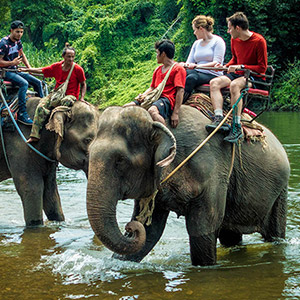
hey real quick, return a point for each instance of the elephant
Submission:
(35, 177)
(219, 197)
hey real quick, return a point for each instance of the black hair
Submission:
(16, 24)
(67, 47)
(166, 46)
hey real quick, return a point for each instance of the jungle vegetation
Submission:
(114, 39)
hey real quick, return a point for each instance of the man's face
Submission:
(69, 56)
(16, 34)
(159, 56)
(233, 31)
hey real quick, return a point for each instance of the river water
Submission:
(65, 260)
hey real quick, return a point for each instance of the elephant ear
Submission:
(166, 145)
(56, 122)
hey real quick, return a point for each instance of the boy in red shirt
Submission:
(171, 98)
(249, 51)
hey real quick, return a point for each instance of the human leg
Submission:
(216, 84)
(160, 110)
(41, 113)
(194, 79)
(36, 83)
(236, 132)
(23, 86)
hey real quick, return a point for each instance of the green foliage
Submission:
(36, 14)
(286, 91)
(4, 17)
(114, 39)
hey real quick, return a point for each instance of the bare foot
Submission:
(32, 139)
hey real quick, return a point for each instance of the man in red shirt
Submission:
(60, 72)
(249, 51)
(167, 106)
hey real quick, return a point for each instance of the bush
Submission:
(286, 91)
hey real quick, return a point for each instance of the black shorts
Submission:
(233, 76)
(164, 107)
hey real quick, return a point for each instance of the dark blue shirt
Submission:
(9, 49)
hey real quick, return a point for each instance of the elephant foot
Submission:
(203, 250)
(229, 238)
(34, 223)
(275, 225)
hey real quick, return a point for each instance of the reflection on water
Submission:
(65, 260)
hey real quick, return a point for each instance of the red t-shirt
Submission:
(77, 77)
(251, 53)
(176, 79)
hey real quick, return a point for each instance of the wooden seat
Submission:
(262, 96)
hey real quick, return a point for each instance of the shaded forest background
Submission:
(114, 39)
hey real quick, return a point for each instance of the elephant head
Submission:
(128, 154)
(76, 127)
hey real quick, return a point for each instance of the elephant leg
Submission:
(203, 249)
(51, 200)
(203, 220)
(229, 238)
(153, 232)
(275, 224)
(31, 193)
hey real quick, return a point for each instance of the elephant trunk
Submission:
(101, 208)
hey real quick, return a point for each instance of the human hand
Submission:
(140, 98)
(174, 119)
(232, 69)
(17, 60)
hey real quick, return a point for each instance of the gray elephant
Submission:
(131, 156)
(35, 177)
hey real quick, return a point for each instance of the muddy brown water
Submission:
(65, 261)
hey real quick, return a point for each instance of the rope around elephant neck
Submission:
(147, 204)
(146, 211)
(198, 148)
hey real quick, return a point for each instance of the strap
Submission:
(163, 83)
(69, 75)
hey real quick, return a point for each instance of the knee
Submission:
(23, 84)
(214, 84)
(153, 110)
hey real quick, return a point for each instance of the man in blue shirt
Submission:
(11, 55)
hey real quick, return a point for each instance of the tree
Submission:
(36, 14)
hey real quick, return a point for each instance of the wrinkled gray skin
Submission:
(123, 160)
(33, 176)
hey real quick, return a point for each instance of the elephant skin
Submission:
(217, 202)
(35, 177)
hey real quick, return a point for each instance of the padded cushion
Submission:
(205, 88)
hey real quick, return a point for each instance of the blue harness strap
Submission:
(20, 132)
(234, 107)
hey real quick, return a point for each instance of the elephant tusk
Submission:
(166, 161)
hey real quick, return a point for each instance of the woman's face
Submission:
(198, 32)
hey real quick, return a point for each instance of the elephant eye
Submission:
(121, 163)
(87, 141)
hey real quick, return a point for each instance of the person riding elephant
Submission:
(72, 130)
(132, 154)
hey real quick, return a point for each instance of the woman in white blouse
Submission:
(207, 51)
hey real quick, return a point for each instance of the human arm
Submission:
(24, 58)
(6, 63)
(262, 58)
(141, 97)
(32, 70)
(178, 102)
(83, 90)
